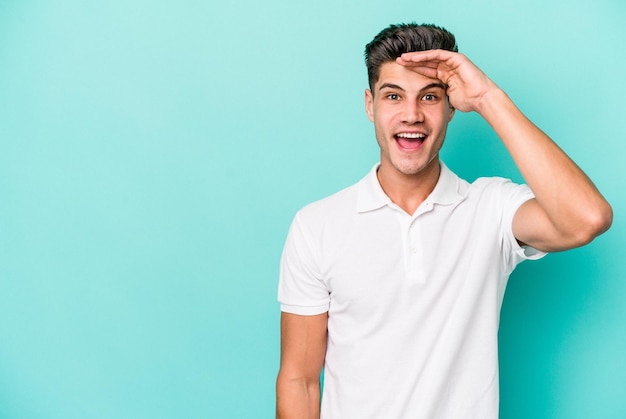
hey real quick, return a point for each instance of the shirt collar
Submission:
(448, 190)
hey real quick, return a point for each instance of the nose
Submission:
(412, 113)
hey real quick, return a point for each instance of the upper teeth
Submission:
(411, 135)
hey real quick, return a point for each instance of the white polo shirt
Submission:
(413, 301)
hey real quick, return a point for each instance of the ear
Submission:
(451, 109)
(369, 104)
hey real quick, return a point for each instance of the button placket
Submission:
(414, 241)
(414, 253)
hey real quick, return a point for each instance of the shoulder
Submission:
(339, 203)
(320, 221)
(491, 182)
(484, 190)
(499, 188)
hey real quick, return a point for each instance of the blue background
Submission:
(152, 155)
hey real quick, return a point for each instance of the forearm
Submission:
(564, 192)
(303, 348)
(297, 398)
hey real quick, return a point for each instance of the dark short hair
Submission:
(395, 40)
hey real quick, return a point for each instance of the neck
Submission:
(409, 191)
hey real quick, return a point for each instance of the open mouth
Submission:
(410, 140)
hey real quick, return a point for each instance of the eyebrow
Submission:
(389, 86)
(427, 87)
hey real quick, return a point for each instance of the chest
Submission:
(386, 261)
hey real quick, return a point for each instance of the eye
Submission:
(393, 96)
(429, 97)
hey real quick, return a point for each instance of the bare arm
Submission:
(303, 348)
(568, 211)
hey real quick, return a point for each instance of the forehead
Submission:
(399, 75)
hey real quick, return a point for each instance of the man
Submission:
(394, 285)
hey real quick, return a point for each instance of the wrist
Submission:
(493, 100)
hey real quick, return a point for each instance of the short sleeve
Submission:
(301, 289)
(516, 195)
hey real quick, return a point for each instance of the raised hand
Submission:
(568, 211)
(468, 86)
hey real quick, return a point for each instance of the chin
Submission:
(414, 169)
(409, 171)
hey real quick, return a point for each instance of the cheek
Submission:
(383, 117)
(382, 128)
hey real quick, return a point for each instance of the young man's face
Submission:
(410, 113)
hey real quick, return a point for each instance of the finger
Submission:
(429, 72)
(411, 63)
(428, 69)
(435, 55)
